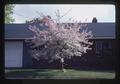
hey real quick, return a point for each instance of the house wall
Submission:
(102, 56)
(13, 53)
(27, 59)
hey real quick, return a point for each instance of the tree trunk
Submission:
(62, 63)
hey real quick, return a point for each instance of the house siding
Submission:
(27, 59)
(13, 53)
(92, 60)
(105, 59)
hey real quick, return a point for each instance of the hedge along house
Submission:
(102, 54)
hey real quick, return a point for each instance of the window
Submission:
(103, 48)
(107, 45)
(98, 46)
(107, 48)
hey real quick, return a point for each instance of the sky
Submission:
(78, 12)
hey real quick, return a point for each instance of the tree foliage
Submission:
(59, 40)
(8, 13)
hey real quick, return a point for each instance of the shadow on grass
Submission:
(38, 73)
(86, 68)
(57, 74)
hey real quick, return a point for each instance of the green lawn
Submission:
(58, 74)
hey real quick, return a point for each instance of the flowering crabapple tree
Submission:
(59, 40)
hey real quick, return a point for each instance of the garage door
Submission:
(13, 54)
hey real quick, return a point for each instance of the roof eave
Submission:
(32, 38)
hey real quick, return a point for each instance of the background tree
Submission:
(58, 40)
(8, 12)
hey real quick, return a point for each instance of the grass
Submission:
(58, 74)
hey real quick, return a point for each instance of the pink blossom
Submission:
(60, 40)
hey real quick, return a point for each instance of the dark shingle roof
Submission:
(18, 31)
(102, 30)
(21, 31)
